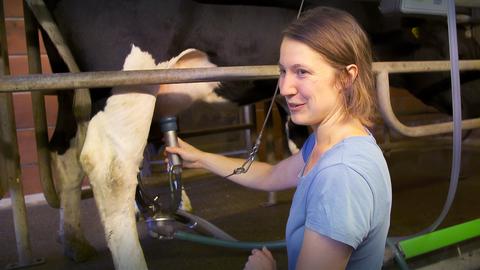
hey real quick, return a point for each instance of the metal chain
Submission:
(253, 152)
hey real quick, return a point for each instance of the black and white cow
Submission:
(148, 34)
(117, 133)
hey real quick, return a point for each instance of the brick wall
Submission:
(22, 101)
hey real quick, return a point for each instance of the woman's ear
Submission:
(346, 77)
(352, 72)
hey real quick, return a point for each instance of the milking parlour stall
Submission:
(93, 91)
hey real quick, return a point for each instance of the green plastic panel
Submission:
(438, 239)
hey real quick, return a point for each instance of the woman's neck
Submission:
(336, 129)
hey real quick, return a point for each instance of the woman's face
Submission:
(307, 82)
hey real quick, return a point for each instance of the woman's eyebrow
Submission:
(292, 66)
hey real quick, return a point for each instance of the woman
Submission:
(340, 212)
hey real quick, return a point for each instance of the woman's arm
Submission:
(321, 252)
(261, 175)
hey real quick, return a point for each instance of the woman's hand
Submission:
(190, 155)
(261, 260)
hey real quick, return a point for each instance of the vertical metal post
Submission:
(3, 172)
(278, 128)
(259, 119)
(3, 63)
(475, 27)
(278, 146)
(3, 175)
(12, 158)
(11, 161)
(38, 110)
(246, 118)
(261, 112)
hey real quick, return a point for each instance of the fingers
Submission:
(190, 155)
(173, 150)
(178, 149)
(180, 141)
(181, 148)
(260, 259)
(267, 253)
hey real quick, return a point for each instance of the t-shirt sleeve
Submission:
(340, 205)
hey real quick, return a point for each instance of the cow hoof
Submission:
(80, 251)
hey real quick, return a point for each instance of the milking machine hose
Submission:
(398, 256)
(457, 138)
(457, 123)
(200, 239)
(218, 236)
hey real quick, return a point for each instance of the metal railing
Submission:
(383, 69)
(64, 81)
(10, 174)
(59, 81)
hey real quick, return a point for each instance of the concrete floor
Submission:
(235, 209)
(419, 180)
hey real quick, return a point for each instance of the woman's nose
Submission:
(286, 85)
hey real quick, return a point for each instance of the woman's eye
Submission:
(282, 71)
(301, 72)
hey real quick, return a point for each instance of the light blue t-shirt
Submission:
(347, 197)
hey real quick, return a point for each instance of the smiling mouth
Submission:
(294, 107)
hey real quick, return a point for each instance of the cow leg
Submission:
(70, 175)
(65, 146)
(111, 157)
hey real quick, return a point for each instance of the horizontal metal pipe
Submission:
(36, 82)
(385, 108)
(99, 79)
(422, 66)
(467, 3)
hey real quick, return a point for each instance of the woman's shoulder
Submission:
(348, 148)
(358, 154)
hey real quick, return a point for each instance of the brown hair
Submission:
(338, 37)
